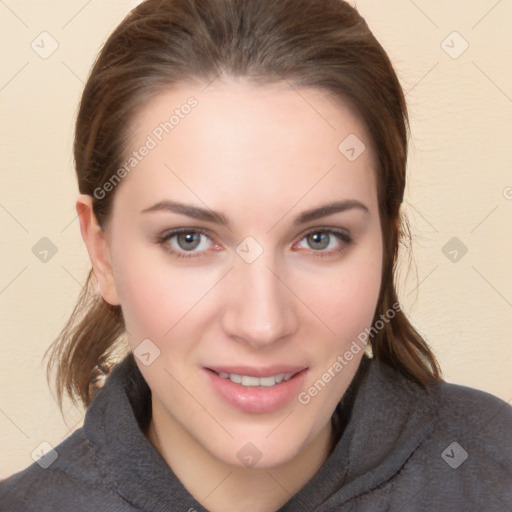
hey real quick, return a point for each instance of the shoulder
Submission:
(479, 422)
(28, 490)
(66, 477)
(470, 412)
(459, 445)
(468, 453)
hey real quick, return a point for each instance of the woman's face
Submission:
(263, 278)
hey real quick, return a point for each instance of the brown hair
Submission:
(324, 44)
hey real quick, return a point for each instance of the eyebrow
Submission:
(208, 215)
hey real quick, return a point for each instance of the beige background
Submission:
(460, 185)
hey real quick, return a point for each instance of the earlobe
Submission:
(97, 247)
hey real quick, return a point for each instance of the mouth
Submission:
(253, 381)
(257, 390)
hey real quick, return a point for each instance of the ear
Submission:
(97, 246)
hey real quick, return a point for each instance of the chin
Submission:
(264, 447)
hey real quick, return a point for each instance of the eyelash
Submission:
(342, 236)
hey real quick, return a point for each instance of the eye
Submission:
(185, 242)
(191, 243)
(325, 241)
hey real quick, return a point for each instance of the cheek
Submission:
(348, 300)
(145, 292)
(154, 294)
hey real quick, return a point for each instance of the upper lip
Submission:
(261, 371)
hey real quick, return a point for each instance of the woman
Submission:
(241, 166)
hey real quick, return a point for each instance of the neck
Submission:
(219, 486)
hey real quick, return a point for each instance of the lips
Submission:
(258, 390)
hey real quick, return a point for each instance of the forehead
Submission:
(236, 143)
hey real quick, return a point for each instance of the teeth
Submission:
(251, 381)
(248, 381)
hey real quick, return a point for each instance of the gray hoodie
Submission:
(401, 449)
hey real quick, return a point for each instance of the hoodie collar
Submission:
(115, 423)
(390, 417)
(385, 418)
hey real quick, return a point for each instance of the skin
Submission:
(261, 155)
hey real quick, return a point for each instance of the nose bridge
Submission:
(260, 308)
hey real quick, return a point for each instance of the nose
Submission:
(261, 309)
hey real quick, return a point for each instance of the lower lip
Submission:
(257, 399)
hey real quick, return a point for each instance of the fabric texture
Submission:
(402, 448)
